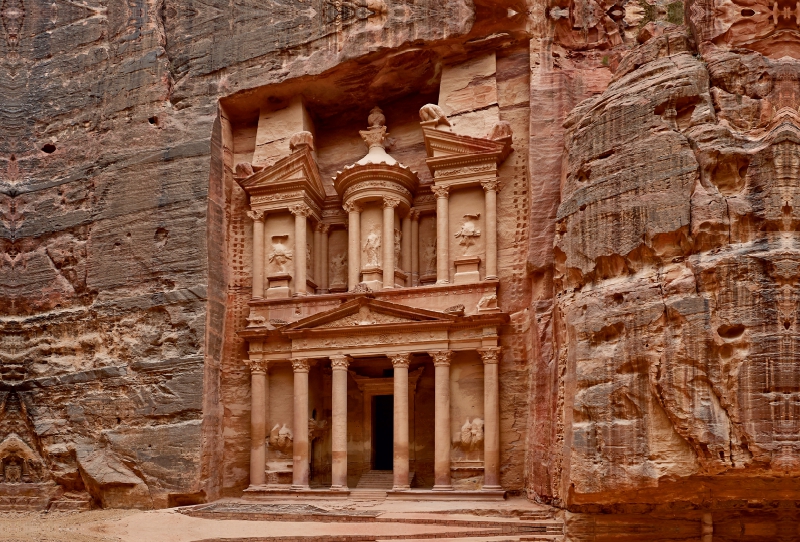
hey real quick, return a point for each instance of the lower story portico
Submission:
(375, 386)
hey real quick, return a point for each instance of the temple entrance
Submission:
(382, 432)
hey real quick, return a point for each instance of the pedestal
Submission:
(372, 277)
(467, 270)
(279, 286)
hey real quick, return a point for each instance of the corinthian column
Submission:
(318, 255)
(389, 205)
(491, 413)
(324, 230)
(339, 424)
(442, 240)
(441, 465)
(405, 247)
(353, 244)
(300, 425)
(490, 187)
(414, 277)
(300, 212)
(258, 252)
(259, 399)
(400, 363)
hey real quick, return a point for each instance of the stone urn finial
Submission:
(433, 115)
(301, 140)
(376, 118)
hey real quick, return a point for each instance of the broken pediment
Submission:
(290, 178)
(368, 312)
(447, 148)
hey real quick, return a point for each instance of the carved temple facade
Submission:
(371, 346)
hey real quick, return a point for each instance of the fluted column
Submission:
(324, 264)
(442, 240)
(259, 401)
(491, 414)
(414, 247)
(441, 465)
(258, 252)
(300, 212)
(400, 363)
(389, 205)
(300, 425)
(318, 255)
(353, 244)
(405, 248)
(490, 226)
(339, 423)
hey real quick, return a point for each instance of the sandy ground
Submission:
(173, 526)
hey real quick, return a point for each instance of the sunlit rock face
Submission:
(678, 267)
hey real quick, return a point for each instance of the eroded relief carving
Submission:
(280, 255)
(471, 436)
(468, 232)
(338, 269)
(365, 317)
(281, 437)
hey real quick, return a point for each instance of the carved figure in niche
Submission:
(281, 438)
(338, 269)
(13, 470)
(472, 434)
(309, 261)
(398, 237)
(467, 234)
(280, 254)
(430, 256)
(372, 248)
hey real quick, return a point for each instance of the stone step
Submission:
(378, 479)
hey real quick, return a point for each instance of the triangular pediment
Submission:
(364, 312)
(297, 171)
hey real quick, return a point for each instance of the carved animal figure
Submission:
(431, 112)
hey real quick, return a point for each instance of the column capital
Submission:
(490, 355)
(351, 207)
(441, 358)
(300, 209)
(414, 214)
(493, 185)
(339, 362)
(401, 360)
(441, 191)
(390, 202)
(301, 365)
(255, 215)
(323, 228)
(257, 366)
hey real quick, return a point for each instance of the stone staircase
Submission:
(373, 485)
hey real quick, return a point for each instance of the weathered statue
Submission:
(467, 234)
(372, 248)
(280, 254)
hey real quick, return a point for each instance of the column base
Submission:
(491, 488)
(443, 281)
(299, 488)
(491, 277)
(340, 488)
(401, 488)
(299, 294)
(443, 488)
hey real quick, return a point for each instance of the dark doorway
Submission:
(383, 432)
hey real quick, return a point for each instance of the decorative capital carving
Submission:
(490, 355)
(323, 228)
(351, 207)
(300, 209)
(257, 366)
(493, 185)
(339, 362)
(400, 361)
(441, 358)
(255, 215)
(413, 214)
(375, 136)
(390, 202)
(301, 140)
(441, 191)
(301, 365)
